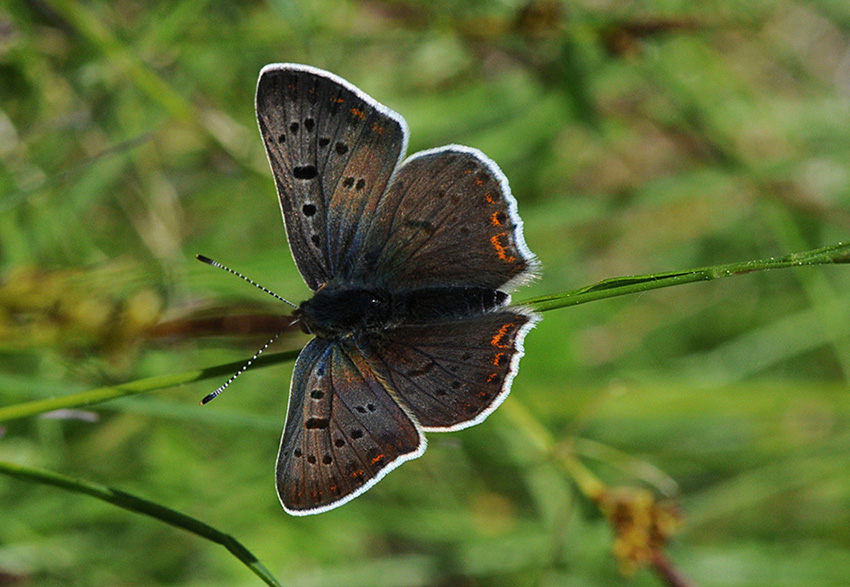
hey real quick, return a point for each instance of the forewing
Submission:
(332, 150)
(448, 218)
(343, 431)
(453, 375)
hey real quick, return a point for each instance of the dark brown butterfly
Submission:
(409, 263)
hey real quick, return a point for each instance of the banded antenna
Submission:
(209, 261)
(250, 361)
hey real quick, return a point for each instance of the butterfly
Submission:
(409, 261)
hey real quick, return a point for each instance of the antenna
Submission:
(244, 368)
(209, 261)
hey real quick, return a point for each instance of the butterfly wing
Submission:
(448, 218)
(452, 375)
(343, 431)
(332, 150)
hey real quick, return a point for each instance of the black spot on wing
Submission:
(305, 172)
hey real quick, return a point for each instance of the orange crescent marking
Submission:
(496, 341)
(500, 248)
(494, 219)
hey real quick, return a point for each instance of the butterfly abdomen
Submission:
(436, 304)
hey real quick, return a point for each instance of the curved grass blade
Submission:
(102, 394)
(142, 506)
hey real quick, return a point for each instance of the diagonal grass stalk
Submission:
(102, 394)
(142, 506)
(619, 286)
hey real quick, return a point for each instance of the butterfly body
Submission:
(410, 262)
(336, 313)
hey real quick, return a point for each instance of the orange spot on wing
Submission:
(496, 241)
(479, 181)
(337, 100)
(494, 219)
(358, 113)
(489, 197)
(498, 358)
(498, 340)
(377, 458)
(357, 473)
(378, 128)
(492, 377)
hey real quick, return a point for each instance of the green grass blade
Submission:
(141, 506)
(618, 286)
(102, 394)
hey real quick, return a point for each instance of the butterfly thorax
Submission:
(335, 312)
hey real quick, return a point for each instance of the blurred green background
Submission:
(637, 136)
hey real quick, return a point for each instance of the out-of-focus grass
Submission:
(653, 138)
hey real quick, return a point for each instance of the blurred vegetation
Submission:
(638, 137)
